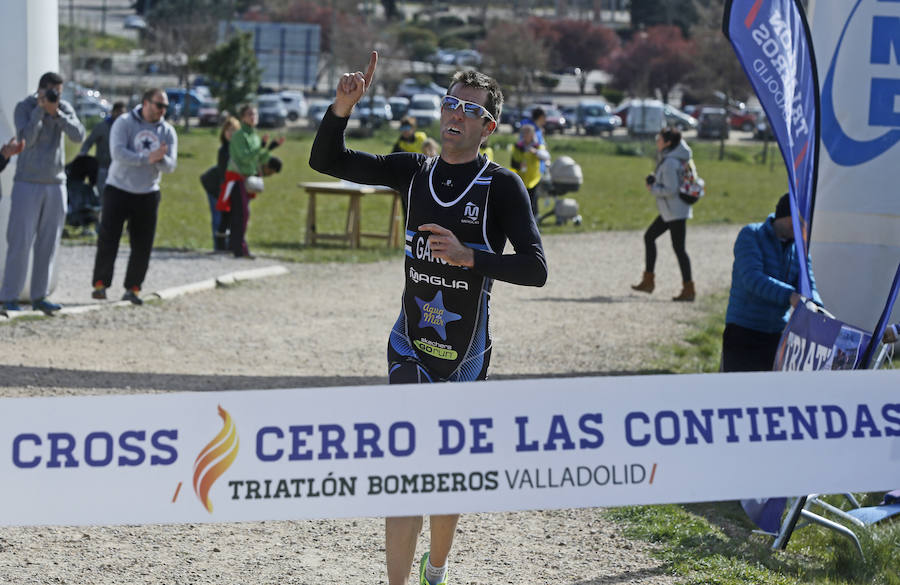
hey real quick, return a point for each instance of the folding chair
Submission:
(857, 516)
(767, 512)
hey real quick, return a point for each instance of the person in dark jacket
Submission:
(99, 137)
(212, 181)
(764, 281)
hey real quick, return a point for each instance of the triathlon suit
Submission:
(442, 333)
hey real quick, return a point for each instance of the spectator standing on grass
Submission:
(410, 139)
(143, 146)
(38, 201)
(99, 137)
(247, 155)
(665, 185)
(460, 211)
(212, 181)
(527, 157)
(537, 120)
(764, 280)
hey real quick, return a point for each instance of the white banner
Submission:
(400, 450)
(855, 235)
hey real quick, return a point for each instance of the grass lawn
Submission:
(613, 197)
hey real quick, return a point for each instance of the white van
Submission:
(646, 117)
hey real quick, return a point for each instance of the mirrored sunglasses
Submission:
(470, 109)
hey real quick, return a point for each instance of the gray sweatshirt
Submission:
(131, 140)
(99, 136)
(44, 157)
(669, 174)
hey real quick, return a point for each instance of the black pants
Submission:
(140, 211)
(748, 350)
(238, 218)
(533, 197)
(678, 230)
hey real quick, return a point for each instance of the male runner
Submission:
(460, 211)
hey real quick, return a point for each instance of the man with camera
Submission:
(38, 200)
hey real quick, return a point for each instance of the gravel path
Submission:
(324, 325)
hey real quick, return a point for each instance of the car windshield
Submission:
(596, 110)
(421, 105)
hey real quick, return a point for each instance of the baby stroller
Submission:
(83, 208)
(563, 177)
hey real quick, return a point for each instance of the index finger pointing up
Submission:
(370, 71)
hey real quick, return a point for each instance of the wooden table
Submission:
(352, 231)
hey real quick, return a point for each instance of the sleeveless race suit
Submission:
(442, 333)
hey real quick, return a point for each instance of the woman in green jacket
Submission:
(247, 154)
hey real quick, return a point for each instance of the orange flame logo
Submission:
(215, 459)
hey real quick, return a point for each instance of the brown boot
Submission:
(646, 285)
(687, 292)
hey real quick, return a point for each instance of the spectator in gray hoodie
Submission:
(665, 185)
(38, 201)
(143, 146)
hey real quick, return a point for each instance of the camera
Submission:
(651, 179)
(51, 95)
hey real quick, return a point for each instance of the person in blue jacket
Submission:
(764, 280)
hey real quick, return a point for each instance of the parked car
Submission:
(88, 103)
(467, 57)
(135, 22)
(316, 110)
(646, 117)
(594, 117)
(743, 119)
(208, 114)
(88, 107)
(622, 111)
(554, 120)
(712, 123)
(512, 116)
(399, 107)
(692, 110)
(410, 87)
(425, 108)
(295, 104)
(763, 130)
(272, 113)
(374, 110)
(679, 119)
(177, 101)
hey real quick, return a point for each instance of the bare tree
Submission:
(513, 54)
(184, 30)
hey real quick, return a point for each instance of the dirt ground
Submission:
(326, 325)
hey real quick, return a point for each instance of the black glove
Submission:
(651, 179)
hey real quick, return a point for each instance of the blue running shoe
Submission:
(9, 306)
(45, 306)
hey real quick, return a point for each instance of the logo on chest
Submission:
(471, 214)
